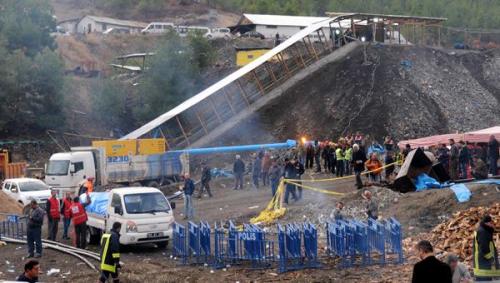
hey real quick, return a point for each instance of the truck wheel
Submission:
(93, 236)
(162, 245)
(153, 184)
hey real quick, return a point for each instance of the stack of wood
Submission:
(457, 233)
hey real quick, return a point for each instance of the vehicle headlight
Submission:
(131, 226)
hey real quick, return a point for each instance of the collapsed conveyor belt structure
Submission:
(200, 119)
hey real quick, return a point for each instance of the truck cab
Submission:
(66, 170)
(145, 214)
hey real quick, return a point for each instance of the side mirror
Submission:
(72, 168)
(118, 210)
(172, 205)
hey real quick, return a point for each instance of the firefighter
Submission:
(79, 216)
(486, 266)
(110, 254)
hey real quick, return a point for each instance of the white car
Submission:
(23, 190)
(157, 28)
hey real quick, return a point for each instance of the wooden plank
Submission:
(182, 130)
(270, 72)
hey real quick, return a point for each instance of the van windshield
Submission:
(33, 186)
(57, 167)
(146, 203)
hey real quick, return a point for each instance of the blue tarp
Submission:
(461, 191)
(376, 148)
(99, 202)
(424, 182)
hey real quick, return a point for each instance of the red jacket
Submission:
(54, 208)
(78, 213)
(66, 209)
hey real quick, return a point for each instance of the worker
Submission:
(338, 213)
(110, 254)
(34, 231)
(206, 176)
(493, 155)
(325, 154)
(460, 272)
(188, 193)
(406, 151)
(463, 159)
(300, 171)
(347, 160)
(31, 272)
(274, 175)
(358, 162)
(66, 213)
(53, 214)
(79, 216)
(484, 252)
(238, 171)
(317, 156)
(371, 205)
(256, 170)
(443, 156)
(389, 170)
(290, 172)
(266, 164)
(375, 167)
(479, 170)
(454, 153)
(309, 156)
(89, 184)
(429, 269)
(339, 154)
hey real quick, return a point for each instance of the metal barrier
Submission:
(180, 249)
(199, 242)
(290, 238)
(13, 227)
(360, 243)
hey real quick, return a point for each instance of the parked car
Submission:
(253, 34)
(219, 33)
(184, 31)
(23, 190)
(157, 28)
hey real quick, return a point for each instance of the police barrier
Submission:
(180, 249)
(290, 255)
(13, 227)
(360, 243)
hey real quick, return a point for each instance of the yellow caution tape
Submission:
(314, 189)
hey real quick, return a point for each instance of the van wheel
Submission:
(153, 184)
(93, 236)
(162, 245)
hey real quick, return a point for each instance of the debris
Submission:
(212, 271)
(253, 207)
(11, 270)
(53, 271)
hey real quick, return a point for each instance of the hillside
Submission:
(404, 91)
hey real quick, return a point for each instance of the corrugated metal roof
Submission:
(117, 22)
(279, 20)
(225, 81)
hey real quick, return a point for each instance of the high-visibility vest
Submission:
(108, 258)
(78, 213)
(54, 208)
(67, 208)
(90, 186)
(339, 154)
(485, 265)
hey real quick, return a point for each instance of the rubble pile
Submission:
(8, 206)
(457, 234)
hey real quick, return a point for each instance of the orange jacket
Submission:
(374, 165)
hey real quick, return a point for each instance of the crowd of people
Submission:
(464, 160)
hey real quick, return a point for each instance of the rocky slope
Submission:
(405, 91)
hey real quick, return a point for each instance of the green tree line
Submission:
(460, 13)
(31, 73)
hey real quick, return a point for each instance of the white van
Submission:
(184, 31)
(158, 27)
(219, 33)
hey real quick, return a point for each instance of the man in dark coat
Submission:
(290, 172)
(206, 176)
(430, 269)
(358, 163)
(493, 155)
(238, 171)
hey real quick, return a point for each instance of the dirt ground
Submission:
(149, 264)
